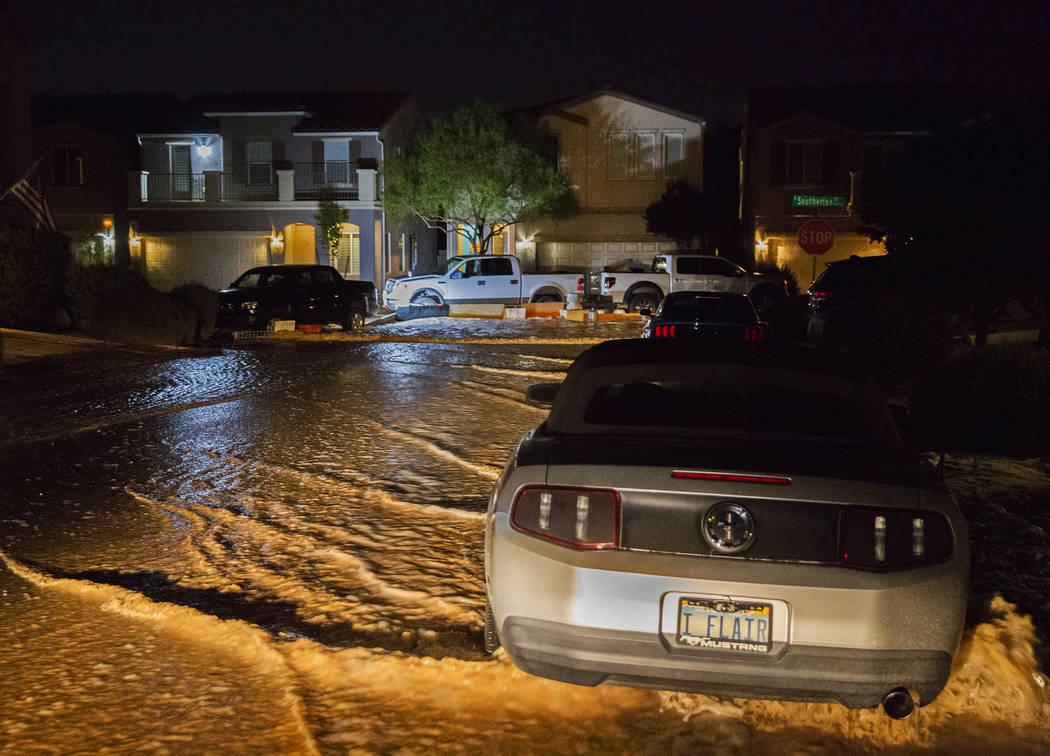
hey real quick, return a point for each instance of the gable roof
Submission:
(326, 111)
(140, 113)
(873, 108)
(559, 107)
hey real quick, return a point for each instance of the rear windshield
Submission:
(709, 310)
(717, 408)
(255, 279)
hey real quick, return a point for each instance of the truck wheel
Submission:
(491, 636)
(425, 298)
(355, 320)
(644, 299)
(546, 298)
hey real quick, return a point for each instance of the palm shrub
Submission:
(119, 304)
(32, 269)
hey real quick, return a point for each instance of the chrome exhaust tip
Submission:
(898, 703)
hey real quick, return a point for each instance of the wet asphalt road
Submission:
(277, 549)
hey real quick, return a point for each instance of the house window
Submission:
(260, 163)
(68, 160)
(674, 156)
(632, 155)
(804, 163)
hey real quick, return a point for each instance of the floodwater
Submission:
(278, 549)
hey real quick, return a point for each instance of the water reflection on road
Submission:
(279, 549)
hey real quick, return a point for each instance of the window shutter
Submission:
(240, 162)
(830, 163)
(317, 158)
(777, 163)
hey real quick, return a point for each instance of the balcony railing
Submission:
(249, 183)
(173, 187)
(303, 182)
(332, 179)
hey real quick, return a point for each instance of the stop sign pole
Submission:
(816, 236)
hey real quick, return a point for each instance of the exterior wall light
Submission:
(204, 150)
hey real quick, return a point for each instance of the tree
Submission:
(329, 218)
(962, 211)
(471, 170)
(680, 214)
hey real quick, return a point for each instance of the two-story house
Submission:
(87, 145)
(16, 154)
(236, 183)
(618, 154)
(807, 152)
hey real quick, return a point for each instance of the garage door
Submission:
(213, 261)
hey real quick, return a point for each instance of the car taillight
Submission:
(754, 334)
(580, 518)
(664, 331)
(889, 539)
(579, 284)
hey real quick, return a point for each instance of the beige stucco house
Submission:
(618, 153)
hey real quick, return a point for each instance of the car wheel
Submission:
(355, 320)
(546, 298)
(491, 636)
(644, 299)
(425, 298)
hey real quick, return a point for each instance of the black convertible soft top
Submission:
(642, 388)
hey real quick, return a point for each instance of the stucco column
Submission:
(366, 184)
(285, 184)
(136, 182)
(213, 186)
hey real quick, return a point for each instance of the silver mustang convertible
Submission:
(740, 523)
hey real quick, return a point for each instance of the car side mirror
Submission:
(542, 394)
(456, 274)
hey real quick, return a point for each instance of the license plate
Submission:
(725, 625)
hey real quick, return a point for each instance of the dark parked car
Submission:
(712, 316)
(735, 522)
(303, 293)
(842, 297)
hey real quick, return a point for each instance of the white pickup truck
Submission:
(483, 278)
(683, 271)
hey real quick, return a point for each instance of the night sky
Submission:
(695, 56)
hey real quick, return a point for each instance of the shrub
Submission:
(119, 304)
(32, 267)
(770, 268)
(205, 303)
(998, 398)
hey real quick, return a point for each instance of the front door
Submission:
(181, 172)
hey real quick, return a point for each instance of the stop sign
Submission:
(816, 236)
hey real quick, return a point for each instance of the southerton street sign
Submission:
(817, 201)
(816, 236)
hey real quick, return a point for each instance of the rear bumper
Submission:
(592, 656)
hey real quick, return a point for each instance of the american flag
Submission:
(30, 191)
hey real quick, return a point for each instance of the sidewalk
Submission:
(21, 346)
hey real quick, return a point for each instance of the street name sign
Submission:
(817, 201)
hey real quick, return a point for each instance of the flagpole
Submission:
(21, 178)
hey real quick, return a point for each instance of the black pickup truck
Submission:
(303, 293)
